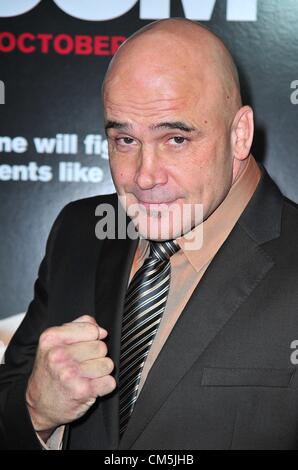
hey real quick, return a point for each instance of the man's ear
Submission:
(242, 133)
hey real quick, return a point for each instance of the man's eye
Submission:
(125, 140)
(178, 140)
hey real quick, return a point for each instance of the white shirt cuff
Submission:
(55, 441)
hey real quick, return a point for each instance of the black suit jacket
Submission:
(224, 378)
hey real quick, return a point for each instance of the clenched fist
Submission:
(71, 370)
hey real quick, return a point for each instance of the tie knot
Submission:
(163, 250)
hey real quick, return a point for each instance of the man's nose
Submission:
(150, 171)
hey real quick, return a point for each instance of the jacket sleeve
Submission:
(16, 430)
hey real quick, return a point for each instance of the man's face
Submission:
(169, 148)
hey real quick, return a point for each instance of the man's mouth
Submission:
(156, 204)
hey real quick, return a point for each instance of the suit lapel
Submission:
(237, 269)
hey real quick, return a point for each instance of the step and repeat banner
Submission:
(53, 56)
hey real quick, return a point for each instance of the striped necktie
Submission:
(145, 302)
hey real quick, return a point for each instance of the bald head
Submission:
(184, 48)
(177, 132)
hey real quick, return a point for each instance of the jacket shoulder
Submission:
(289, 222)
(81, 211)
(90, 203)
(76, 221)
(291, 207)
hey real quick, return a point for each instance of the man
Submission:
(215, 369)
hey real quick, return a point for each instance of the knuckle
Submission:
(68, 374)
(93, 330)
(81, 391)
(103, 349)
(111, 382)
(56, 355)
(90, 330)
(46, 337)
(87, 318)
(108, 365)
(107, 385)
